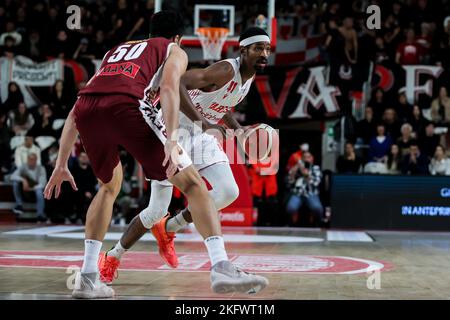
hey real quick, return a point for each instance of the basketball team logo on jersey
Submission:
(128, 69)
(214, 105)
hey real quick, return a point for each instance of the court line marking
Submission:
(348, 236)
(195, 237)
(372, 266)
(44, 230)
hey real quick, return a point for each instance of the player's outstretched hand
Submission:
(59, 175)
(172, 153)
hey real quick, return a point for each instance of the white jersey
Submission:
(215, 104)
(204, 149)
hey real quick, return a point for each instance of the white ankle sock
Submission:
(176, 223)
(91, 252)
(216, 249)
(117, 251)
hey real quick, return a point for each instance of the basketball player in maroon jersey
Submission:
(115, 109)
(208, 97)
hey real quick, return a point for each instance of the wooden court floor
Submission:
(38, 262)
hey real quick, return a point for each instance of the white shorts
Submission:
(204, 150)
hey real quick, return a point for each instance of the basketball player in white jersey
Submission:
(208, 96)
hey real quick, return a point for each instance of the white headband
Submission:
(254, 39)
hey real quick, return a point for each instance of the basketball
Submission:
(258, 141)
(179, 150)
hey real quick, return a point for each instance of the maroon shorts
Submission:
(107, 121)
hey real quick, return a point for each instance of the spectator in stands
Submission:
(367, 44)
(351, 40)
(415, 162)
(62, 47)
(122, 21)
(99, 46)
(391, 123)
(349, 162)
(378, 104)
(44, 123)
(367, 128)
(333, 49)
(86, 182)
(403, 108)
(330, 15)
(381, 51)
(141, 28)
(39, 16)
(5, 149)
(30, 178)
(380, 145)
(21, 21)
(10, 32)
(60, 100)
(21, 120)
(22, 152)
(60, 209)
(391, 33)
(417, 121)
(404, 141)
(9, 49)
(14, 97)
(83, 51)
(440, 107)
(429, 141)
(425, 41)
(394, 160)
(55, 22)
(440, 163)
(409, 52)
(442, 52)
(304, 179)
(34, 47)
(48, 157)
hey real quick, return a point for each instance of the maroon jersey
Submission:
(131, 68)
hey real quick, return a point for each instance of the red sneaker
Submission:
(165, 242)
(107, 266)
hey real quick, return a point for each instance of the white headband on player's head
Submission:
(253, 35)
(254, 39)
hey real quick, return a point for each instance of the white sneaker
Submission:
(85, 288)
(225, 277)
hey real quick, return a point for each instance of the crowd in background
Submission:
(411, 32)
(394, 137)
(398, 145)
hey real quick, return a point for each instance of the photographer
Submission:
(304, 179)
